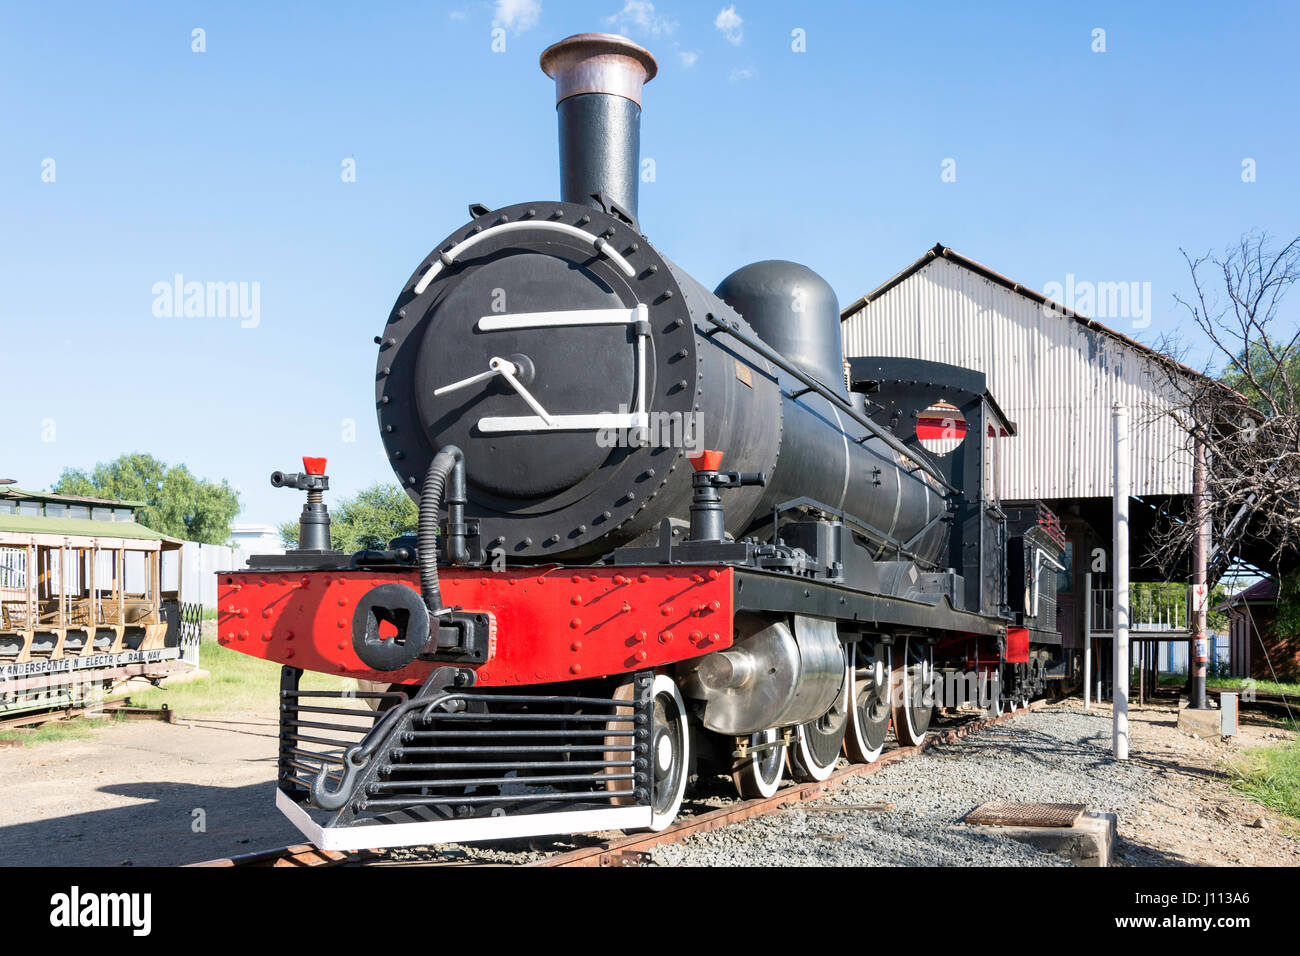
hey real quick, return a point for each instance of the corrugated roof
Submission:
(942, 251)
(81, 527)
(18, 493)
(1261, 592)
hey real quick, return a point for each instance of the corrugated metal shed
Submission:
(1056, 374)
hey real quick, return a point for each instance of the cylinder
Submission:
(598, 80)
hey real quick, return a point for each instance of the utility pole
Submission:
(1198, 652)
(1119, 576)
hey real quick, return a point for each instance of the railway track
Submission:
(120, 708)
(628, 850)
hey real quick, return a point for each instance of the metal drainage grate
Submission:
(1005, 814)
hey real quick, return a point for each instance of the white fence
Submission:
(198, 568)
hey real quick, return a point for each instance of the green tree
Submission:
(370, 520)
(176, 502)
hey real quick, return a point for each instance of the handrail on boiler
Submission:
(842, 404)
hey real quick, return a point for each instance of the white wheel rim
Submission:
(908, 711)
(765, 787)
(659, 820)
(854, 727)
(808, 765)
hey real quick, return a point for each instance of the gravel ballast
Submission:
(919, 803)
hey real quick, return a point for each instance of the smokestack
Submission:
(598, 79)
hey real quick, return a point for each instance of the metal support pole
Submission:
(1119, 734)
(1087, 640)
(1198, 655)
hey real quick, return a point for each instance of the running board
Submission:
(407, 829)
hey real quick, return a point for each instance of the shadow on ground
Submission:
(174, 823)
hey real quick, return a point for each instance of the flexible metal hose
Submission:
(431, 495)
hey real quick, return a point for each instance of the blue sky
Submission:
(227, 166)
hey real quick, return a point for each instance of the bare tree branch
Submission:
(1245, 409)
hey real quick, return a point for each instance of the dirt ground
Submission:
(1197, 819)
(157, 794)
(144, 793)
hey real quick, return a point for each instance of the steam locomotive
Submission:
(663, 532)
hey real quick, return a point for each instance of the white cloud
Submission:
(639, 16)
(739, 76)
(687, 58)
(458, 15)
(517, 15)
(731, 24)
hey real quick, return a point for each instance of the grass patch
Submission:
(1271, 776)
(1260, 686)
(78, 728)
(236, 682)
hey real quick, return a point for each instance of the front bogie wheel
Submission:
(670, 752)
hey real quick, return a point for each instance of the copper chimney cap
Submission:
(598, 63)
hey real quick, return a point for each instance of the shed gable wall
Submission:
(1055, 378)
